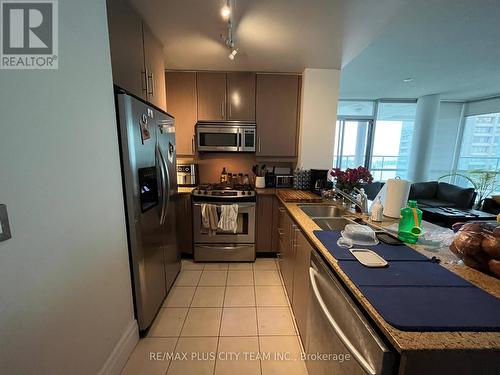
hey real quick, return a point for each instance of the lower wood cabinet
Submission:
(267, 239)
(184, 223)
(295, 255)
(301, 282)
(287, 230)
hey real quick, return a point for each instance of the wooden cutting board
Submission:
(298, 196)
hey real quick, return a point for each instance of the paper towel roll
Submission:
(396, 197)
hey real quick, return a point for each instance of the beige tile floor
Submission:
(222, 318)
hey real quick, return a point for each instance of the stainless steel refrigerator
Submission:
(147, 141)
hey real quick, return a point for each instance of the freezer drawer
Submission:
(336, 327)
(224, 252)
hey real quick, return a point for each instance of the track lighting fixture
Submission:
(227, 14)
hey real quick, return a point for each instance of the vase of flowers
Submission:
(351, 178)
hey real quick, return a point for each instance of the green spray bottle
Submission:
(409, 223)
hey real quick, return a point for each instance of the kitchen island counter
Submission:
(451, 343)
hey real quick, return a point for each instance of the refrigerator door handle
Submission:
(166, 187)
(163, 183)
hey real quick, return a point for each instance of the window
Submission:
(480, 149)
(351, 141)
(381, 142)
(355, 108)
(392, 140)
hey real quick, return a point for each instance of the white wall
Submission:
(65, 296)
(320, 91)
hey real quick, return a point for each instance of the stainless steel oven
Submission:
(222, 245)
(222, 137)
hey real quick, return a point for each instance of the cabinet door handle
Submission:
(144, 81)
(259, 145)
(192, 144)
(151, 77)
(222, 109)
(230, 110)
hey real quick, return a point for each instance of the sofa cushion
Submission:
(423, 190)
(372, 189)
(434, 203)
(462, 197)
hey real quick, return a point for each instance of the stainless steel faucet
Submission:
(362, 203)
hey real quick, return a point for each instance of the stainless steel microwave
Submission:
(225, 137)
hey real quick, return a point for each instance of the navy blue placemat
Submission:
(389, 252)
(435, 308)
(401, 274)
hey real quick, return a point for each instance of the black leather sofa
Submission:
(442, 194)
(490, 206)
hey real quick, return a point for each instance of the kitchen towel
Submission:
(209, 219)
(229, 218)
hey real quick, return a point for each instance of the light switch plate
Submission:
(4, 224)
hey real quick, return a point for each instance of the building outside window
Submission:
(480, 148)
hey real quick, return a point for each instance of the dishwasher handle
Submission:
(356, 354)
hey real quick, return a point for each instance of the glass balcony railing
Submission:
(382, 167)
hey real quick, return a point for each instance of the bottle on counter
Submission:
(223, 175)
(409, 223)
(377, 211)
(240, 178)
(246, 180)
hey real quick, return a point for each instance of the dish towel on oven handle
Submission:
(209, 219)
(229, 218)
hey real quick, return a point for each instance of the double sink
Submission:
(327, 217)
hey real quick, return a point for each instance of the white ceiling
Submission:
(446, 46)
(271, 35)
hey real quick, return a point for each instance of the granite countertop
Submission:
(404, 341)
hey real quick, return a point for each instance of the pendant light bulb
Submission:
(225, 11)
(233, 53)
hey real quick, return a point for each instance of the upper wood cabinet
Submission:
(136, 55)
(277, 117)
(154, 68)
(125, 38)
(181, 103)
(240, 96)
(226, 96)
(211, 96)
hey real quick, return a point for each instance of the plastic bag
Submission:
(478, 245)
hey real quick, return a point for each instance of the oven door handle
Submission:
(222, 247)
(242, 205)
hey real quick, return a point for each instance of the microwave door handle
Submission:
(162, 182)
(356, 354)
(240, 144)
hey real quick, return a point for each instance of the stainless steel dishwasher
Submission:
(337, 330)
